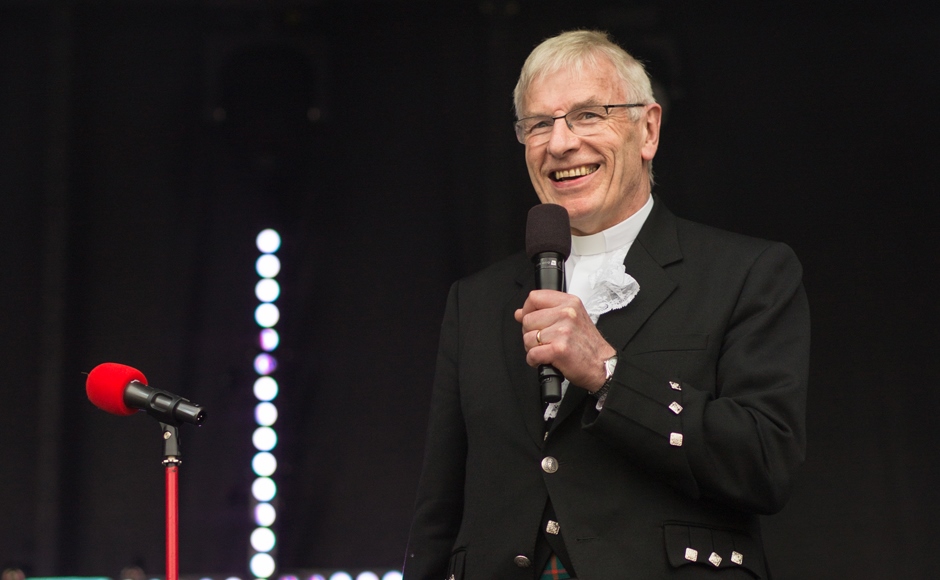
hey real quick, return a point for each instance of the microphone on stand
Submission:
(548, 243)
(122, 390)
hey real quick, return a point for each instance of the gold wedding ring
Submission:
(538, 337)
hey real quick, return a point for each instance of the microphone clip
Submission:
(162, 405)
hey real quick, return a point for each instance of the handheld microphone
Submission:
(122, 390)
(548, 243)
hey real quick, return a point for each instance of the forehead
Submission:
(562, 90)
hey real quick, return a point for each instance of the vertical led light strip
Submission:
(262, 562)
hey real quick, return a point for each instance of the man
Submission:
(684, 413)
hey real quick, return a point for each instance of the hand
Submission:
(569, 340)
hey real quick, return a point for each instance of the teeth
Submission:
(576, 172)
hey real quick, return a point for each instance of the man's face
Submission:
(606, 180)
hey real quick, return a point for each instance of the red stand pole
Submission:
(172, 522)
(171, 460)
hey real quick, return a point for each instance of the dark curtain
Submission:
(145, 144)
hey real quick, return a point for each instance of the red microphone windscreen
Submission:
(106, 384)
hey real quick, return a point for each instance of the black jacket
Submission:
(644, 489)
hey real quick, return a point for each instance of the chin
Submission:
(576, 211)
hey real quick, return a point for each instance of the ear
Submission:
(650, 122)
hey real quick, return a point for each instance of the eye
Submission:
(540, 123)
(588, 115)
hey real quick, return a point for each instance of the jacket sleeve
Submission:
(740, 439)
(439, 504)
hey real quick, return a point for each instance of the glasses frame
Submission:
(522, 138)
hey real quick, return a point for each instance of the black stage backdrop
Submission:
(144, 144)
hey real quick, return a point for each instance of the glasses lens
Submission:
(587, 120)
(584, 121)
(533, 126)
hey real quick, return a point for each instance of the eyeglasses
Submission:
(584, 122)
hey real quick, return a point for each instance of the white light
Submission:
(233, 578)
(265, 514)
(263, 540)
(262, 565)
(263, 489)
(393, 575)
(267, 315)
(268, 339)
(367, 576)
(340, 576)
(264, 464)
(268, 266)
(264, 438)
(265, 414)
(268, 241)
(267, 290)
(265, 389)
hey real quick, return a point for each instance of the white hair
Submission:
(576, 49)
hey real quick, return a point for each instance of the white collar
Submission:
(614, 237)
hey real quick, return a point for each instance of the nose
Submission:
(562, 139)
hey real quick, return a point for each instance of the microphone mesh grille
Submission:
(548, 230)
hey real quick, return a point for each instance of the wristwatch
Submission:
(609, 366)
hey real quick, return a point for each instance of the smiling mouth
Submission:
(566, 174)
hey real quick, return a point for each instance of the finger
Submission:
(536, 338)
(540, 300)
(539, 355)
(530, 340)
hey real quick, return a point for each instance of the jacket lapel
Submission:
(525, 379)
(657, 245)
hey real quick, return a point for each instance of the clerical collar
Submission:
(613, 237)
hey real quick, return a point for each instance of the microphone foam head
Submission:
(106, 384)
(548, 229)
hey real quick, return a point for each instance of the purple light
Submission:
(265, 364)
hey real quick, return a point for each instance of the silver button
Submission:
(737, 558)
(675, 439)
(691, 554)
(553, 527)
(715, 559)
(675, 407)
(521, 561)
(675, 386)
(549, 465)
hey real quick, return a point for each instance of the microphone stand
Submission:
(171, 460)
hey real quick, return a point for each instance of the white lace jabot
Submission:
(612, 287)
(595, 268)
